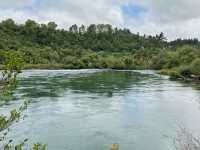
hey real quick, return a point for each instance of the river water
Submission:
(91, 109)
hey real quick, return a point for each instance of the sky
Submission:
(176, 18)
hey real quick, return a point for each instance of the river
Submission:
(91, 109)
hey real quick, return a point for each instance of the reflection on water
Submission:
(90, 109)
(103, 83)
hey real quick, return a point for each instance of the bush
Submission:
(173, 73)
(195, 67)
(184, 71)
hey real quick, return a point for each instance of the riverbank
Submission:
(174, 74)
(63, 66)
(44, 66)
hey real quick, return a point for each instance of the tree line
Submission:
(101, 37)
(96, 46)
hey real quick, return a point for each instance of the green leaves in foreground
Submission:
(6, 122)
(13, 64)
(15, 115)
(39, 146)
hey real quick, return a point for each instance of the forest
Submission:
(45, 46)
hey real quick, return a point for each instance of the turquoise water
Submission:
(91, 109)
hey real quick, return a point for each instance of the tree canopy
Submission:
(95, 46)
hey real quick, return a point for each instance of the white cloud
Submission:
(176, 18)
(172, 10)
(81, 12)
(14, 3)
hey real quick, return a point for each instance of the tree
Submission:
(13, 63)
(82, 29)
(52, 26)
(74, 29)
(8, 24)
(31, 25)
(91, 30)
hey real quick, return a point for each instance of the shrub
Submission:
(184, 70)
(195, 67)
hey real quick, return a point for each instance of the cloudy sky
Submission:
(176, 18)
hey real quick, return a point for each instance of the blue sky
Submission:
(133, 10)
(176, 18)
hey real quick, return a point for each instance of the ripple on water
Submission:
(91, 109)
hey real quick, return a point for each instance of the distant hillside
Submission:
(98, 46)
(99, 37)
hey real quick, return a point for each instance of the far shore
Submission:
(65, 67)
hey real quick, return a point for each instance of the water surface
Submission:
(91, 109)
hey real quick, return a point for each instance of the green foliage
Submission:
(101, 37)
(44, 46)
(39, 146)
(13, 64)
(172, 73)
(195, 67)
(6, 122)
(184, 62)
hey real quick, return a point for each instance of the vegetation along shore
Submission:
(45, 46)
